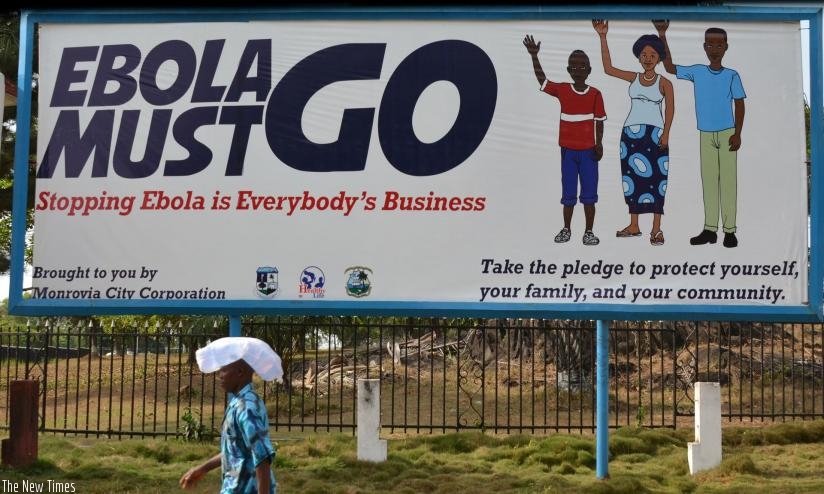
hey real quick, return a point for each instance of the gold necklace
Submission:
(650, 79)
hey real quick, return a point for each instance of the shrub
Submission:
(193, 430)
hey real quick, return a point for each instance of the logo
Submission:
(312, 282)
(358, 283)
(267, 282)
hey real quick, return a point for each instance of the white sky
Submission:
(4, 283)
(805, 55)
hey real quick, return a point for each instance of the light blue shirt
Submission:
(714, 92)
(244, 443)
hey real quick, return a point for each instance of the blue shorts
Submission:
(574, 164)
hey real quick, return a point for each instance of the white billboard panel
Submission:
(397, 161)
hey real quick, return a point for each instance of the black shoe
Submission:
(730, 240)
(705, 237)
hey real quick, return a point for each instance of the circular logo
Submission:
(312, 282)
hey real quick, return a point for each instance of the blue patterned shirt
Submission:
(244, 443)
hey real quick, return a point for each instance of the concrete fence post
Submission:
(705, 452)
(370, 446)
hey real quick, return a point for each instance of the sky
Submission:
(4, 279)
(805, 55)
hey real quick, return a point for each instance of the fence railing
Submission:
(437, 375)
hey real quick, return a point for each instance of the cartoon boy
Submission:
(719, 110)
(579, 135)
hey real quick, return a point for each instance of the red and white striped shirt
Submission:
(579, 111)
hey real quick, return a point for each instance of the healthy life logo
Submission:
(312, 283)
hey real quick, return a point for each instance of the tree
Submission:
(9, 50)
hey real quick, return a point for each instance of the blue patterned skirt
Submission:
(644, 169)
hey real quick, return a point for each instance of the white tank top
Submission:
(645, 103)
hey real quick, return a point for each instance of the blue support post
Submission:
(816, 277)
(234, 325)
(21, 158)
(602, 400)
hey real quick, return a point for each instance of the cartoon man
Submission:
(579, 135)
(719, 110)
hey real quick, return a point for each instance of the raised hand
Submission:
(531, 46)
(661, 25)
(601, 26)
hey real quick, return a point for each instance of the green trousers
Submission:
(719, 176)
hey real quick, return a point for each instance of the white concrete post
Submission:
(705, 452)
(370, 446)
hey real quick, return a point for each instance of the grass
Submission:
(784, 458)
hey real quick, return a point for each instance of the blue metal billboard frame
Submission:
(813, 311)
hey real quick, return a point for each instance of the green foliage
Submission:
(559, 444)
(445, 464)
(10, 323)
(789, 433)
(585, 458)
(193, 430)
(641, 414)
(629, 445)
(174, 324)
(456, 443)
(9, 43)
(9, 49)
(739, 463)
(635, 441)
(807, 125)
(160, 453)
(635, 457)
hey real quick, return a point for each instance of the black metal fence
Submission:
(437, 375)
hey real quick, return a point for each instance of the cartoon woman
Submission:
(645, 137)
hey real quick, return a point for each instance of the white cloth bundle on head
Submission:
(257, 353)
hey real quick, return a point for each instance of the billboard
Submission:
(417, 162)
